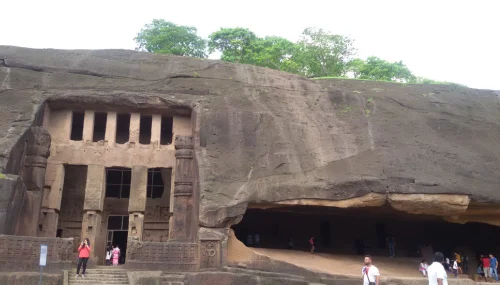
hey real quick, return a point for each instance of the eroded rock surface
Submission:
(263, 136)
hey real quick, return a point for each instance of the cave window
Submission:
(155, 183)
(118, 182)
(59, 233)
(100, 120)
(145, 129)
(166, 130)
(122, 128)
(77, 126)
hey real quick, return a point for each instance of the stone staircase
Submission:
(172, 279)
(102, 275)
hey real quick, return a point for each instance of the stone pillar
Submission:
(88, 126)
(93, 205)
(184, 226)
(156, 130)
(51, 203)
(35, 164)
(137, 202)
(135, 125)
(110, 135)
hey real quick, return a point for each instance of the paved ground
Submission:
(346, 264)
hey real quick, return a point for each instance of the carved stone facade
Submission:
(23, 253)
(167, 256)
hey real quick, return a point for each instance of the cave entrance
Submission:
(363, 231)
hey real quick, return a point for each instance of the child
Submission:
(423, 268)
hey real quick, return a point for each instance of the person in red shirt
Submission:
(486, 266)
(311, 242)
(83, 256)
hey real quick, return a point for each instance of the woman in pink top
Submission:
(116, 255)
(83, 256)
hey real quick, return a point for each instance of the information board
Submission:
(43, 255)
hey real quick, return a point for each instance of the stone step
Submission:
(98, 278)
(102, 282)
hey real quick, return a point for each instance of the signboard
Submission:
(43, 255)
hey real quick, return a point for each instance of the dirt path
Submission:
(345, 264)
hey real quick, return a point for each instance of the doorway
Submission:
(118, 234)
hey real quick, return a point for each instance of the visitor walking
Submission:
(311, 242)
(371, 275)
(458, 258)
(465, 263)
(83, 256)
(423, 268)
(109, 254)
(494, 267)
(392, 245)
(436, 273)
(116, 255)
(455, 268)
(486, 266)
(447, 265)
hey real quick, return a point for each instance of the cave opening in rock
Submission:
(145, 129)
(100, 120)
(362, 231)
(122, 128)
(77, 126)
(166, 130)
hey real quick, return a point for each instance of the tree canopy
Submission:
(166, 37)
(317, 53)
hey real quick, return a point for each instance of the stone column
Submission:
(51, 204)
(156, 131)
(93, 205)
(184, 226)
(110, 135)
(35, 164)
(137, 202)
(88, 126)
(135, 125)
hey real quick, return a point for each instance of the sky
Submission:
(457, 41)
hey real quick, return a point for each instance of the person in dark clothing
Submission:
(465, 263)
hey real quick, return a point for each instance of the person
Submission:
(392, 245)
(116, 255)
(465, 263)
(109, 254)
(494, 267)
(423, 268)
(311, 242)
(455, 268)
(436, 273)
(83, 256)
(458, 259)
(257, 239)
(447, 265)
(371, 275)
(290, 243)
(486, 266)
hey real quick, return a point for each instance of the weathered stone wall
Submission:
(18, 253)
(166, 256)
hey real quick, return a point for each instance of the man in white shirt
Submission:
(371, 275)
(436, 273)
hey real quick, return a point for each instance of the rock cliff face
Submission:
(264, 136)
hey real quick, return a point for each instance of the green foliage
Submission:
(375, 68)
(321, 53)
(234, 43)
(317, 54)
(168, 38)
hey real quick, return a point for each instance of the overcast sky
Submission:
(444, 40)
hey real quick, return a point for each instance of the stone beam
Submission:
(51, 203)
(110, 135)
(135, 125)
(137, 202)
(184, 225)
(88, 126)
(93, 204)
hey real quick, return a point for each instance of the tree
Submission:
(234, 43)
(375, 68)
(273, 52)
(165, 37)
(324, 54)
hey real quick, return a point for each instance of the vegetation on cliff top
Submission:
(317, 53)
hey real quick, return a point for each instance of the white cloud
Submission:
(444, 40)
